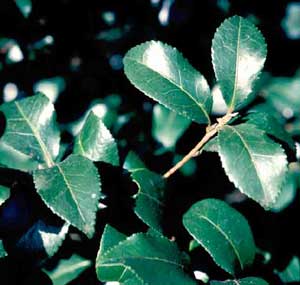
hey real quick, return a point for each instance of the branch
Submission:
(210, 132)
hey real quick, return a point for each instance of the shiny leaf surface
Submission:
(31, 135)
(96, 142)
(238, 55)
(142, 258)
(253, 162)
(223, 232)
(163, 74)
(71, 189)
(4, 194)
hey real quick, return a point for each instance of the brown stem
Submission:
(210, 132)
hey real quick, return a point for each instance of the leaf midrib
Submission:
(236, 75)
(68, 185)
(175, 84)
(226, 237)
(47, 155)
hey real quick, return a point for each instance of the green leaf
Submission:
(238, 55)
(43, 239)
(149, 199)
(253, 162)
(71, 189)
(244, 281)
(4, 194)
(268, 123)
(282, 93)
(288, 193)
(25, 7)
(31, 134)
(68, 269)
(167, 126)
(223, 232)
(140, 259)
(189, 168)
(96, 142)
(3, 252)
(292, 272)
(163, 74)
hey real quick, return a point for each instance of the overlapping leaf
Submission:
(96, 142)
(253, 162)
(163, 74)
(238, 55)
(168, 126)
(292, 272)
(31, 135)
(3, 252)
(42, 239)
(140, 259)
(71, 189)
(223, 232)
(150, 197)
(68, 270)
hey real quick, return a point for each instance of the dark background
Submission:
(74, 26)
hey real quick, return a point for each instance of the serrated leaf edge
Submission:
(201, 105)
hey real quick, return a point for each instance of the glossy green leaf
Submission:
(140, 259)
(96, 142)
(238, 55)
(68, 269)
(31, 135)
(292, 272)
(282, 93)
(244, 281)
(25, 7)
(288, 193)
(167, 126)
(223, 232)
(253, 162)
(150, 197)
(42, 239)
(4, 194)
(163, 74)
(268, 123)
(71, 189)
(3, 252)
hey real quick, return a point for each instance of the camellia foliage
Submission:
(251, 141)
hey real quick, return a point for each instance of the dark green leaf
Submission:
(282, 93)
(149, 199)
(167, 126)
(71, 189)
(31, 134)
(163, 74)
(68, 269)
(3, 253)
(253, 162)
(42, 239)
(244, 281)
(288, 193)
(238, 54)
(96, 142)
(223, 232)
(266, 122)
(292, 272)
(4, 194)
(140, 259)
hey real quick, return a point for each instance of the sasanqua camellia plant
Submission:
(248, 139)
